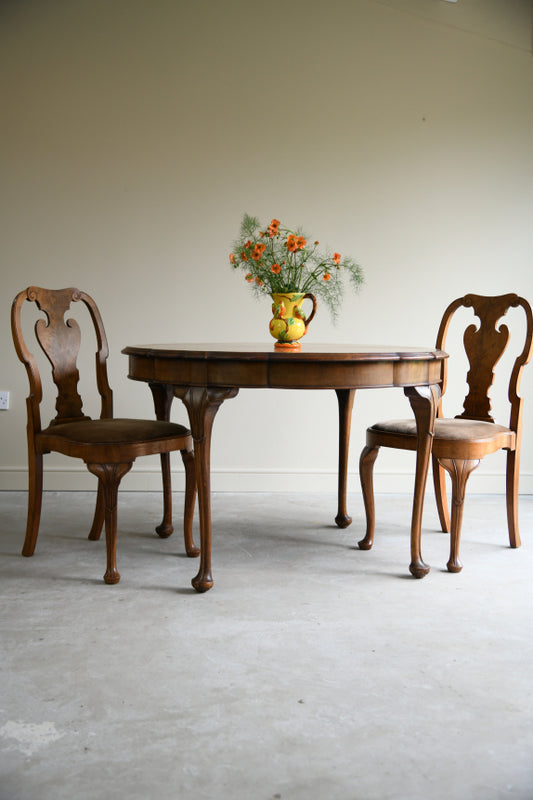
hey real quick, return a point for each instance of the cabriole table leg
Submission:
(424, 401)
(345, 399)
(202, 404)
(163, 397)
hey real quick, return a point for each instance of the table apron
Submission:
(301, 375)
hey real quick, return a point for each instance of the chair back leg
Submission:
(99, 515)
(511, 486)
(35, 499)
(190, 502)
(439, 483)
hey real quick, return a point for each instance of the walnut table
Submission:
(204, 375)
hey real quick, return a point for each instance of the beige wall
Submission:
(135, 133)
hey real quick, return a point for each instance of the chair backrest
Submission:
(484, 345)
(60, 338)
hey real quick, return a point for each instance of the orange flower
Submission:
(336, 258)
(232, 258)
(249, 278)
(317, 242)
(259, 281)
(291, 243)
(273, 228)
(243, 256)
(258, 251)
(301, 242)
(326, 276)
(275, 268)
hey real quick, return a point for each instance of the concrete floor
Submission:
(311, 671)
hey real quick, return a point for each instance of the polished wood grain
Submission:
(460, 443)
(107, 445)
(204, 375)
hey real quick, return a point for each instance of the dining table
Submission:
(203, 376)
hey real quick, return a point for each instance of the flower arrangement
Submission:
(277, 259)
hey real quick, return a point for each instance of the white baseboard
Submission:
(148, 480)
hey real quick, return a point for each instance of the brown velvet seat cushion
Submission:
(449, 429)
(116, 431)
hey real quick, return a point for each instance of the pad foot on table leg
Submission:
(366, 543)
(418, 569)
(164, 531)
(343, 520)
(202, 583)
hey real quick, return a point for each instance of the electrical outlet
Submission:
(4, 400)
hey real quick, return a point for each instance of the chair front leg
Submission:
(190, 502)
(511, 481)
(459, 470)
(110, 476)
(439, 483)
(35, 499)
(366, 474)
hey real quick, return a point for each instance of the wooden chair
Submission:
(460, 443)
(108, 446)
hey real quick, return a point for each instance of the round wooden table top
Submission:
(315, 366)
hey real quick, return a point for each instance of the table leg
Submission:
(345, 399)
(163, 397)
(424, 401)
(202, 404)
